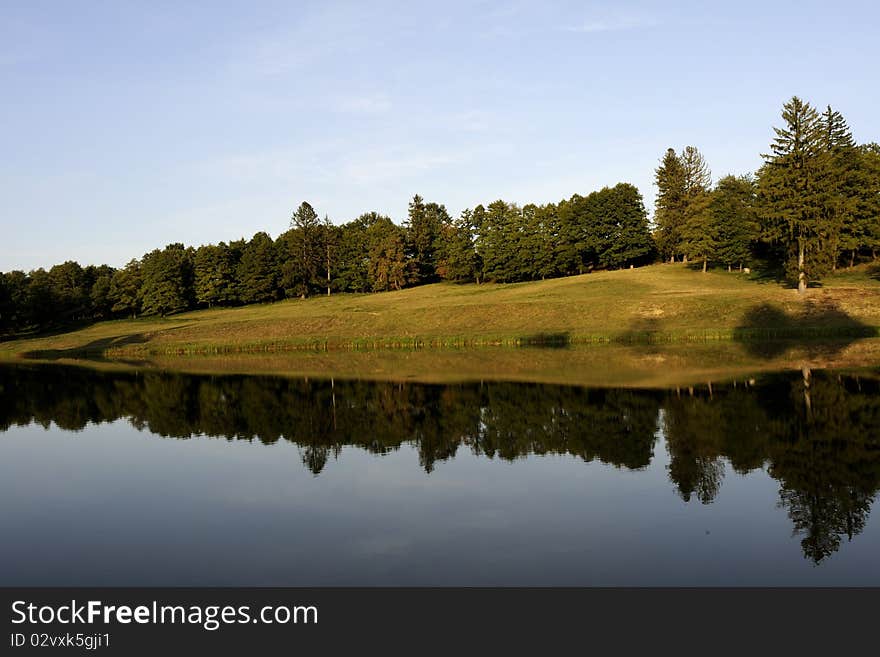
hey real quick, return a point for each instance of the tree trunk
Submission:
(705, 264)
(802, 276)
(808, 403)
(672, 259)
(728, 268)
(852, 258)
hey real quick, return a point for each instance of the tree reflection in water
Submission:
(816, 433)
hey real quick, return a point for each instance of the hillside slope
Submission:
(660, 302)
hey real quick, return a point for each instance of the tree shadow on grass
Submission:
(560, 340)
(819, 329)
(93, 351)
(61, 329)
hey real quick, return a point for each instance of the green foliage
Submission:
(457, 257)
(793, 195)
(125, 288)
(257, 271)
(352, 272)
(215, 275)
(388, 266)
(99, 297)
(423, 237)
(69, 291)
(734, 220)
(868, 208)
(617, 226)
(167, 281)
(302, 253)
(669, 205)
(499, 242)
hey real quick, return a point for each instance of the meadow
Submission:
(658, 304)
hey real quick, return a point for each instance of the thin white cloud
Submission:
(367, 169)
(327, 32)
(377, 104)
(611, 24)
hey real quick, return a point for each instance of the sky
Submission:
(126, 126)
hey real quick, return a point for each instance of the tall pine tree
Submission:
(792, 195)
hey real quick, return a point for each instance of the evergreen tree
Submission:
(257, 271)
(457, 256)
(215, 275)
(167, 280)
(302, 253)
(388, 267)
(697, 237)
(544, 237)
(352, 254)
(423, 224)
(670, 179)
(868, 210)
(734, 220)
(842, 186)
(791, 195)
(621, 226)
(499, 241)
(575, 247)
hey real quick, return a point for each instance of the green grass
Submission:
(660, 303)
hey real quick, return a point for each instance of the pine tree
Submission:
(257, 271)
(352, 259)
(498, 241)
(842, 186)
(167, 280)
(670, 180)
(423, 225)
(457, 256)
(734, 220)
(388, 265)
(622, 223)
(791, 194)
(697, 237)
(302, 253)
(868, 210)
(215, 275)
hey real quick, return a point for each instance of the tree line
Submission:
(813, 205)
(500, 242)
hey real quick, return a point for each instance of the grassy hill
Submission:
(658, 303)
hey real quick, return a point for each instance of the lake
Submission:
(156, 478)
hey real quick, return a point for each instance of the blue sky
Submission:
(125, 126)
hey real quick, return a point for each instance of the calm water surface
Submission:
(155, 478)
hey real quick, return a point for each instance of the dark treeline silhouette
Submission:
(814, 204)
(815, 433)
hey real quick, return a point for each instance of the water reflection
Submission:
(815, 433)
